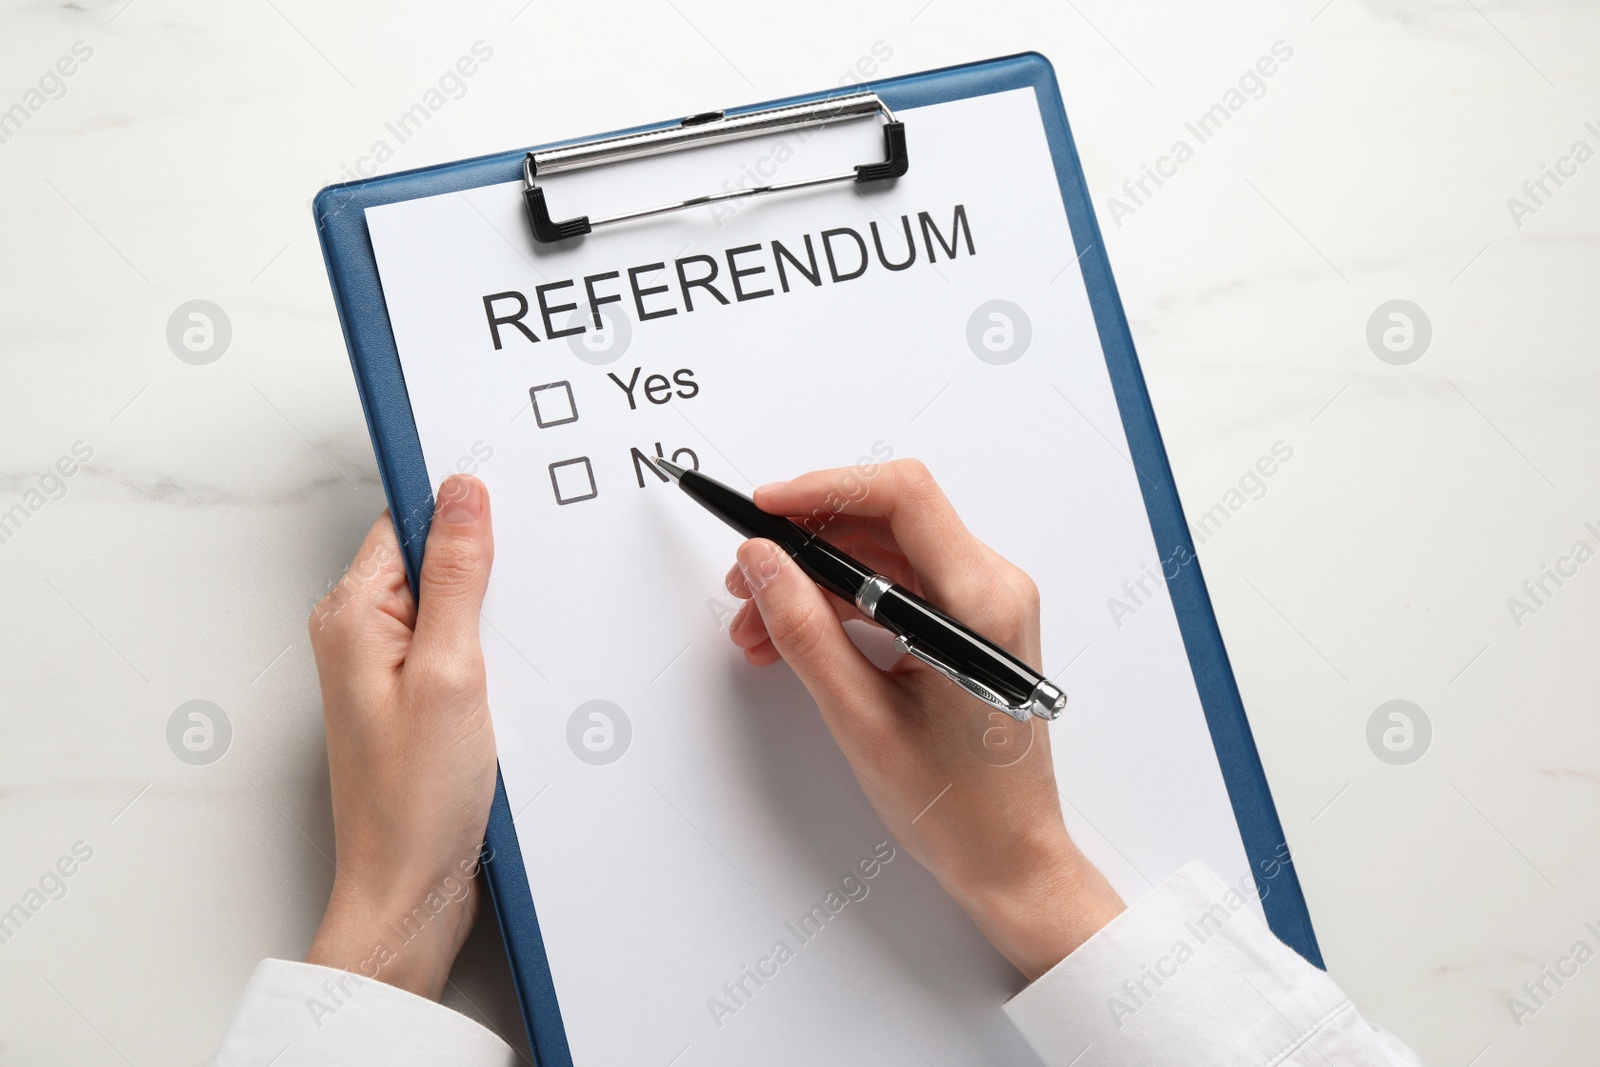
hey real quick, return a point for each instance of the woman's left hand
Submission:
(411, 750)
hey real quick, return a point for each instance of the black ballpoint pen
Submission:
(972, 661)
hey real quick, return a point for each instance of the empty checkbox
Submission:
(573, 480)
(553, 404)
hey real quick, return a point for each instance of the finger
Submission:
(763, 655)
(808, 634)
(1021, 583)
(372, 587)
(748, 630)
(734, 582)
(836, 527)
(949, 561)
(1019, 631)
(455, 573)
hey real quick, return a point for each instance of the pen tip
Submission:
(672, 470)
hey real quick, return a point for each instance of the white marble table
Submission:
(177, 562)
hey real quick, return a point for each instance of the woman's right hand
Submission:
(967, 791)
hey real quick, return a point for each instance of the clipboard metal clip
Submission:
(712, 127)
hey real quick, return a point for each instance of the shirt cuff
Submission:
(301, 1014)
(1187, 975)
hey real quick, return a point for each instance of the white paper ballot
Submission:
(712, 886)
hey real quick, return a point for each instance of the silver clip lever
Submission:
(1046, 701)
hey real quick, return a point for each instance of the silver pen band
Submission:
(870, 593)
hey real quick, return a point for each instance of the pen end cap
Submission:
(1048, 700)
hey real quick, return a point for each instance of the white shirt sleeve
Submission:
(1190, 976)
(303, 1015)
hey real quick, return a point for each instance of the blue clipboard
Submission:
(358, 294)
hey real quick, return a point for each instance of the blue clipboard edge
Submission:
(339, 211)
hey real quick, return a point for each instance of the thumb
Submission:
(455, 571)
(807, 632)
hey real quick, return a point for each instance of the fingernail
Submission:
(460, 500)
(771, 487)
